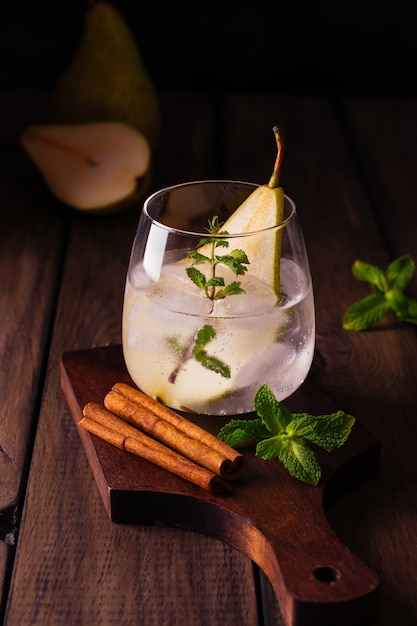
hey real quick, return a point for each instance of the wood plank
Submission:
(32, 235)
(27, 283)
(32, 232)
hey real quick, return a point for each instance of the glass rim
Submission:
(184, 232)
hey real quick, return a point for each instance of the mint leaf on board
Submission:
(240, 431)
(287, 436)
(326, 431)
(273, 414)
(300, 461)
(295, 455)
(388, 294)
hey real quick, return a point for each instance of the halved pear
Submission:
(92, 166)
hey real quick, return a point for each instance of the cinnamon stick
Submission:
(233, 463)
(165, 432)
(100, 415)
(100, 422)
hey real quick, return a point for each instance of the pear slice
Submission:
(262, 209)
(90, 166)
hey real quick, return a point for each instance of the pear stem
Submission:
(274, 180)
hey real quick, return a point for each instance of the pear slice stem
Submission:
(274, 180)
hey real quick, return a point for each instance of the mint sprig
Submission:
(214, 286)
(388, 294)
(288, 436)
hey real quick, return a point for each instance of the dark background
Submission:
(354, 47)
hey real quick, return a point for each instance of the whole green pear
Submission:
(107, 79)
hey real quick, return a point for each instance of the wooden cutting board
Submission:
(279, 522)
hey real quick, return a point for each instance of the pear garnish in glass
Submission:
(263, 209)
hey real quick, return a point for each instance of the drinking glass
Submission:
(203, 340)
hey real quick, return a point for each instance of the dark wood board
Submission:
(279, 522)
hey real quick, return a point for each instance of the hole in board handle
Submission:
(326, 574)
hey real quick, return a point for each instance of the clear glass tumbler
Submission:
(202, 328)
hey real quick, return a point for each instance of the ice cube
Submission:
(257, 299)
(177, 292)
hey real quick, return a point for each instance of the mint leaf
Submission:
(215, 226)
(216, 281)
(371, 274)
(197, 277)
(212, 363)
(238, 431)
(204, 335)
(196, 350)
(197, 258)
(287, 435)
(273, 414)
(326, 431)
(230, 290)
(410, 315)
(300, 462)
(271, 447)
(400, 272)
(223, 243)
(405, 308)
(235, 261)
(294, 454)
(175, 345)
(388, 294)
(366, 312)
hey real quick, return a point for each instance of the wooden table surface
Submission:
(350, 166)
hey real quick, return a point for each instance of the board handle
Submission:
(318, 581)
